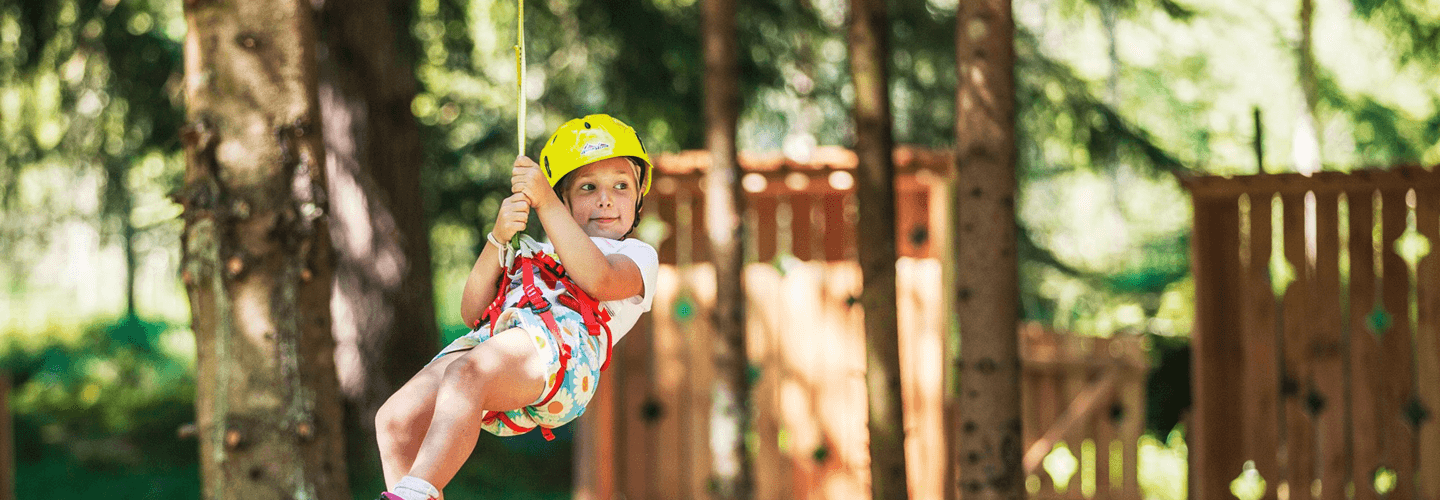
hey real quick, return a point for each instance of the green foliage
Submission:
(1413, 28)
(103, 403)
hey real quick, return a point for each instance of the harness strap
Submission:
(553, 275)
(491, 416)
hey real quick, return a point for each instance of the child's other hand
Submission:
(514, 213)
(527, 179)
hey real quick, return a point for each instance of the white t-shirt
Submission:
(625, 312)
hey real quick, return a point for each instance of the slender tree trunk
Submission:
(1306, 145)
(724, 202)
(383, 299)
(869, 69)
(119, 202)
(988, 437)
(257, 255)
(127, 233)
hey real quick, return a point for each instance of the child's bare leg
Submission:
(401, 423)
(503, 373)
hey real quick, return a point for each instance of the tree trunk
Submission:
(869, 54)
(383, 299)
(730, 404)
(257, 255)
(988, 437)
(1306, 145)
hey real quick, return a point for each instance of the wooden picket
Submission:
(1329, 383)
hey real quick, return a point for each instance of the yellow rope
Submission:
(520, 98)
(520, 74)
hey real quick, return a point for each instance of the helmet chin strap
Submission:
(636, 223)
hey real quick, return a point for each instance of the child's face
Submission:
(602, 197)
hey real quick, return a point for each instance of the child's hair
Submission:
(563, 186)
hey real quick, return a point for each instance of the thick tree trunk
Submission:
(869, 69)
(988, 437)
(383, 299)
(257, 255)
(730, 404)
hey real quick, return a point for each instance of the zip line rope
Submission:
(520, 114)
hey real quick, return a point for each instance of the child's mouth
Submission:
(606, 220)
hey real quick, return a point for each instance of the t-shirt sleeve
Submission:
(648, 260)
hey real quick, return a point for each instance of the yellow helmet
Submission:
(583, 141)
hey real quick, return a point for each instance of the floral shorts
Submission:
(556, 406)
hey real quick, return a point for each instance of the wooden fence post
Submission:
(1215, 452)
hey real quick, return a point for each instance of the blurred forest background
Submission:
(1114, 95)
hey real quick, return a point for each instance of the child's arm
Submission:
(611, 277)
(480, 286)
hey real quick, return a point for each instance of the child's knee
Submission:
(474, 367)
(394, 417)
(510, 353)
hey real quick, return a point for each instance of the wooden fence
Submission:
(1317, 345)
(646, 434)
(1087, 394)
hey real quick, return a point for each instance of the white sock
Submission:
(414, 488)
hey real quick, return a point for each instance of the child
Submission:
(542, 332)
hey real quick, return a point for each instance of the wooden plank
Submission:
(1364, 347)
(1048, 396)
(1328, 364)
(595, 448)
(694, 205)
(1074, 383)
(1397, 348)
(845, 282)
(663, 206)
(1031, 383)
(1427, 346)
(803, 414)
(699, 284)
(922, 347)
(839, 231)
(764, 308)
(1133, 396)
(1216, 455)
(912, 214)
(1104, 419)
(634, 451)
(1398, 178)
(667, 388)
(802, 226)
(765, 230)
(1261, 422)
(1296, 383)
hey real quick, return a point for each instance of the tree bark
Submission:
(383, 294)
(257, 255)
(730, 409)
(988, 437)
(869, 69)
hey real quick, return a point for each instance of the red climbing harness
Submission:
(554, 277)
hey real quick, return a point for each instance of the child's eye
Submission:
(587, 187)
(622, 185)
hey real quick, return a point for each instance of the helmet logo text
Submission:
(593, 147)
